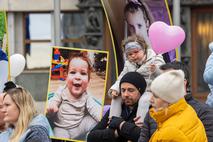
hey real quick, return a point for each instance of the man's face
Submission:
(1, 111)
(130, 94)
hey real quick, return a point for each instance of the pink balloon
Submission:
(165, 38)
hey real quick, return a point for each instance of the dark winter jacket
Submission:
(129, 131)
(204, 112)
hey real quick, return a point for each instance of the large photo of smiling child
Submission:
(76, 91)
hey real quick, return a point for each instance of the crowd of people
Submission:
(151, 99)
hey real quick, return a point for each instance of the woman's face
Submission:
(10, 110)
(78, 77)
(157, 103)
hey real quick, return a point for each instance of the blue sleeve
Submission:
(37, 134)
(208, 72)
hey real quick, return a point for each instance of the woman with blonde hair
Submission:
(24, 123)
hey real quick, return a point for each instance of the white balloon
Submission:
(17, 64)
(3, 74)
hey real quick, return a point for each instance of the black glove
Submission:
(115, 122)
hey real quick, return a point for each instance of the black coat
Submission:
(204, 112)
(129, 131)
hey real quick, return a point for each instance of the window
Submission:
(38, 36)
(38, 40)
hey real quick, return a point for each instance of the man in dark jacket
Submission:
(204, 112)
(124, 128)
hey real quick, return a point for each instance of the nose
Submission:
(77, 75)
(125, 93)
(151, 100)
(137, 31)
(133, 55)
(3, 109)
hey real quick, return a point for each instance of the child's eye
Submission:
(136, 52)
(139, 26)
(72, 72)
(83, 73)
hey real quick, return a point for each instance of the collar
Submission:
(127, 112)
(168, 112)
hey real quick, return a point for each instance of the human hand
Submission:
(53, 108)
(115, 122)
(152, 68)
(114, 93)
(138, 121)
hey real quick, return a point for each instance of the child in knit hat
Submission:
(208, 76)
(139, 59)
(170, 107)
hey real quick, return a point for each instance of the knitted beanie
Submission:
(169, 86)
(135, 79)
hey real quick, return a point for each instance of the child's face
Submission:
(136, 24)
(78, 77)
(135, 55)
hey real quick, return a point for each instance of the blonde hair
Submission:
(25, 103)
(135, 38)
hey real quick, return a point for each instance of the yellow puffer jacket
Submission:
(178, 123)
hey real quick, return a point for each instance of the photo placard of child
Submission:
(73, 110)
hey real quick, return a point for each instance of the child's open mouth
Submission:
(77, 84)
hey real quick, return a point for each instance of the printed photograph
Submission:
(76, 91)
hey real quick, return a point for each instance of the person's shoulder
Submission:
(200, 107)
(4, 136)
(37, 133)
(150, 53)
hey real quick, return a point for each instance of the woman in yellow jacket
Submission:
(176, 120)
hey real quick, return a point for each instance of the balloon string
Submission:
(171, 23)
(152, 62)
